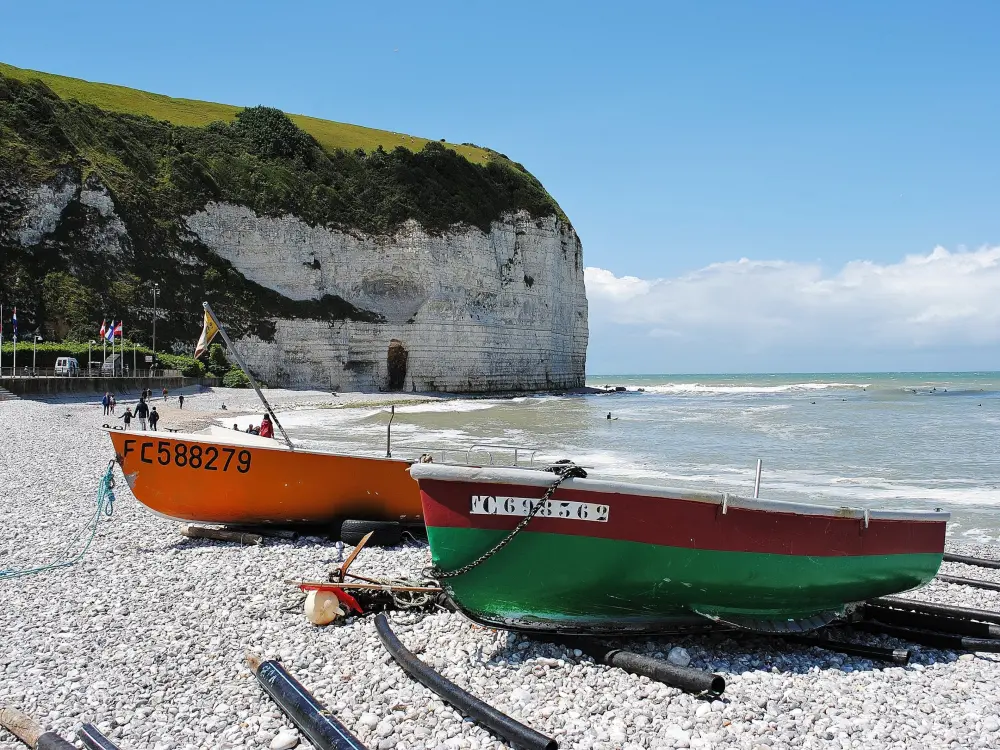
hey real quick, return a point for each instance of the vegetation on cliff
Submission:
(162, 159)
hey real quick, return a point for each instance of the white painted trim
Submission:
(527, 477)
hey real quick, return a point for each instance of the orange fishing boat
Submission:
(229, 477)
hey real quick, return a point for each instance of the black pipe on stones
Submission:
(948, 557)
(937, 609)
(91, 737)
(30, 731)
(924, 621)
(312, 718)
(686, 678)
(972, 582)
(513, 731)
(942, 641)
(895, 655)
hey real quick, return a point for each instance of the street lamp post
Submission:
(34, 352)
(156, 289)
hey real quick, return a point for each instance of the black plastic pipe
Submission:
(52, 741)
(895, 655)
(937, 609)
(91, 737)
(925, 621)
(973, 582)
(982, 563)
(312, 718)
(934, 640)
(686, 678)
(513, 731)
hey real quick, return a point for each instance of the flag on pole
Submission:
(118, 329)
(14, 321)
(110, 334)
(104, 327)
(208, 331)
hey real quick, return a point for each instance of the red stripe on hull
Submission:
(690, 524)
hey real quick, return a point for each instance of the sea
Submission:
(877, 440)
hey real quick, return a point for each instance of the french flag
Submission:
(14, 320)
(110, 335)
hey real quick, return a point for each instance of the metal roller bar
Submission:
(937, 623)
(972, 582)
(963, 613)
(312, 718)
(964, 559)
(91, 737)
(934, 640)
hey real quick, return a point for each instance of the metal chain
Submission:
(564, 472)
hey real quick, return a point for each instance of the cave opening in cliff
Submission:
(396, 362)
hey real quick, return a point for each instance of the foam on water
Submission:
(860, 440)
(700, 388)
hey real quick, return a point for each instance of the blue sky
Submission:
(674, 135)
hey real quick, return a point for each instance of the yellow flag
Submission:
(208, 332)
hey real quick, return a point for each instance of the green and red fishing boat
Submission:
(608, 557)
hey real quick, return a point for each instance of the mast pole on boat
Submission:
(253, 382)
(756, 481)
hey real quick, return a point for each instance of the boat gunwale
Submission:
(194, 437)
(534, 478)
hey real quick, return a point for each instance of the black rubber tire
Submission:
(387, 533)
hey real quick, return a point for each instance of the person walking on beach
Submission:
(113, 403)
(266, 428)
(154, 417)
(106, 403)
(180, 401)
(164, 393)
(142, 412)
(127, 416)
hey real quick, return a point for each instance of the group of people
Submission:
(266, 428)
(108, 402)
(143, 413)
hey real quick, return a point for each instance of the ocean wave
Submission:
(673, 388)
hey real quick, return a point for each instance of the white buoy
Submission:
(322, 607)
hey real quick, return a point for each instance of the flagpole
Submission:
(239, 360)
(1, 340)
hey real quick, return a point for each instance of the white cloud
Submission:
(933, 300)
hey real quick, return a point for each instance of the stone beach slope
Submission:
(146, 638)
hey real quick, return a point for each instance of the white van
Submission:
(67, 366)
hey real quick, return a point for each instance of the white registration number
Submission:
(493, 505)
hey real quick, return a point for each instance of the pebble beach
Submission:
(146, 636)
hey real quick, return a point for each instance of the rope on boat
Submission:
(564, 470)
(105, 506)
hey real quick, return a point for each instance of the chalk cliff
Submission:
(464, 310)
(436, 269)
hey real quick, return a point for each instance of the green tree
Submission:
(70, 306)
(236, 378)
(218, 365)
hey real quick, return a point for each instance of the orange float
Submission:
(237, 478)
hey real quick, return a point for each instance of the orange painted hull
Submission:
(201, 478)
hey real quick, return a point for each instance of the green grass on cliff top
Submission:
(331, 135)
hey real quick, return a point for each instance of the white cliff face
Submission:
(43, 208)
(505, 310)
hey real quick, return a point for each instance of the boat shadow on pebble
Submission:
(729, 654)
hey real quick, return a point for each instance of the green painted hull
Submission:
(571, 583)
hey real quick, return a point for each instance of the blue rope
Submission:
(105, 505)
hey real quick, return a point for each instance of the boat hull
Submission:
(212, 480)
(656, 564)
